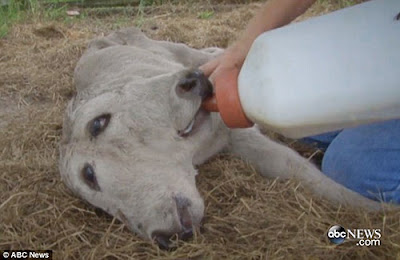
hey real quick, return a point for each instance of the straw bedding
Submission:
(246, 216)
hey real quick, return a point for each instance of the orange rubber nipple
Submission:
(227, 102)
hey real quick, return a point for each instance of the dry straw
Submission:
(247, 216)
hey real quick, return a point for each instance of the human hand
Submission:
(223, 73)
(229, 62)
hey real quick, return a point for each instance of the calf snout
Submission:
(184, 230)
(195, 83)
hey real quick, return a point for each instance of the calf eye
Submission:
(89, 177)
(99, 124)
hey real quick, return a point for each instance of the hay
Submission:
(247, 216)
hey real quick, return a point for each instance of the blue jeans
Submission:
(365, 159)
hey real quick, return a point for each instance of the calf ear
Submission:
(100, 43)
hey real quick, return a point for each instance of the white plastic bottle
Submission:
(326, 73)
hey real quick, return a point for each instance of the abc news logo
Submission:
(366, 237)
(27, 254)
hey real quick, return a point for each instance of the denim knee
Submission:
(366, 159)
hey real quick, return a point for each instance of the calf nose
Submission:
(185, 218)
(186, 225)
(194, 84)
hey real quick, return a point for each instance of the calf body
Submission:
(135, 131)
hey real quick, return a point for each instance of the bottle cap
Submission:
(226, 101)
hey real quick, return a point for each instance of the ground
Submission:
(246, 216)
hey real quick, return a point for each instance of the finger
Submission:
(209, 67)
(211, 77)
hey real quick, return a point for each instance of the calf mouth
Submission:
(195, 124)
(195, 83)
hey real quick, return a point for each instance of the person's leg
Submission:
(366, 159)
(321, 141)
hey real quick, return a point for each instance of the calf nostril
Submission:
(162, 240)
(187, 234)
(195, 83)
(185, 217)
(187, 84)
(184, 232)
(163, 243)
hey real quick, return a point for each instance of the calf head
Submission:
(134, 131)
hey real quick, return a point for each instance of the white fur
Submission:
(141, 163)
